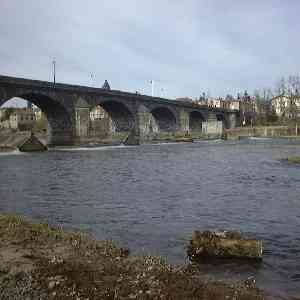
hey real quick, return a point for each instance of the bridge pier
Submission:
(82, 122)
(60, 138)
(184, 121)
(232, 120)
(212, 126)
(145, 125)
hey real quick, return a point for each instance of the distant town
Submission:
(254, 109)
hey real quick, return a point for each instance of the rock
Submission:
(132, 139)
(51, 285)
(223, 244)
(250, 282)
(184, 140)
(32, 144)
(224, 136)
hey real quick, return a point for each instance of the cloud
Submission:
(187, 47)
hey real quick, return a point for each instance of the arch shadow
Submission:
(164, 118)
(222, 118)
(60, 123)
(196, 119)
(122, 118)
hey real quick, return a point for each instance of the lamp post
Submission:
(54, 71)
(152, 87)
(92, 79)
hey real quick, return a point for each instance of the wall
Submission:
(263, 131)
(212, 128)
(101, 127)
(82, 122)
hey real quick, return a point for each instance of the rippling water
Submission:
(152, 197)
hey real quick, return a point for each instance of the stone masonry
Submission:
(68, 107)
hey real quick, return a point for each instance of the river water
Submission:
(150, 198)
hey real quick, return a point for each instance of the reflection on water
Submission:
(152, 197)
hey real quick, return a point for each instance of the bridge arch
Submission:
(110, 116)
(221, 117)
(196, 118)
(122, 117)
(59, 120)
(164, 118)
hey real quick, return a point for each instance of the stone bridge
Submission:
(67, 108)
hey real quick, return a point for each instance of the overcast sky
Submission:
(185, 46)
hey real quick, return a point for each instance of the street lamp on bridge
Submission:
(54, 71)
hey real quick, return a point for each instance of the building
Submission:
(286, 106)
(17, 118)
(3, 112)
(234, 104)
(4, 118)
(22, 119)
(202, 102)
(101, 123)
(280, 104)
(38, 113)
(218, 102)
(98, 113)
(211, 102)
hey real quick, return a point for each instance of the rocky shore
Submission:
(41, 262)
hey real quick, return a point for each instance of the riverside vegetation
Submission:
(41, 262)
(294, 159)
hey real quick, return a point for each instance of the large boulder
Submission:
(223, 244)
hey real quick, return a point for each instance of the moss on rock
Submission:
(223, 244)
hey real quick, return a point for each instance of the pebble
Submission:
(51, 285)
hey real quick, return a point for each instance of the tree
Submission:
(280, 87)
(7, 112)
(41, 124)
(229, 97)
(293, 84)
(289, 92)
(264, 114)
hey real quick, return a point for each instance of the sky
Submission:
(186, 47)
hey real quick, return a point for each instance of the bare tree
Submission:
(293, 84)
(280, 87)
(288, 92)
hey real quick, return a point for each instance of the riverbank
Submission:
(262, 131)
(41, 262)
(11, 140)
(294, 159)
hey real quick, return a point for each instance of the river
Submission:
(150, 198)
